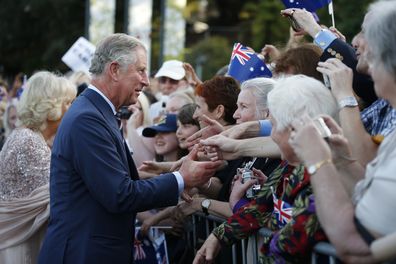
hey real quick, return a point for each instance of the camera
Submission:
(322, 128)
(124, 112)
(326, 81)
(252, 191)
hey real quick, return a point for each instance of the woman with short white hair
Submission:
(299, 95)
(25, 164)
(253, 93)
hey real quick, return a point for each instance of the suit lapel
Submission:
(132, 167)
(104, 108)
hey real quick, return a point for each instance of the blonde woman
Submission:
(141, 147)
(24, 167)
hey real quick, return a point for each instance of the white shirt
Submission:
(376, 194)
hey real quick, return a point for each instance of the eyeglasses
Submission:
(164, 80)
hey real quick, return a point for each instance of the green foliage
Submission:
(348, 16)
(36, 34)
(155, 36)
(266, 25)
(211, 53)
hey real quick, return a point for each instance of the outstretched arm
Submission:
(230, 149)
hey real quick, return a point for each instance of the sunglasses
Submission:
(164, 80)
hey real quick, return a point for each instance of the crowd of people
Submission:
(306, 154)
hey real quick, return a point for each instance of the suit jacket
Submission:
(362, 83)
(95, 191)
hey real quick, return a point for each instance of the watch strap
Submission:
(205, 208)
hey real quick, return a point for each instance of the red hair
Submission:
(220, 90)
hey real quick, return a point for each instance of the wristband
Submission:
(312, 169)
(265, 128)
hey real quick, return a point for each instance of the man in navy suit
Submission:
(95, 190)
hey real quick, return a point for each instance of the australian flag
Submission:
(282, 210)
(245, 64)
(150, 249)
(309, 5)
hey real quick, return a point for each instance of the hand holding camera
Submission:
(247, 175)
(302, 21)
(322, 128)
(340, 150)
(339, 76)
(294, 24)
(239, 188)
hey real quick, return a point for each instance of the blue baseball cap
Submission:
(166, 124)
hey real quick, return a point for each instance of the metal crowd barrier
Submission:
(200, 223)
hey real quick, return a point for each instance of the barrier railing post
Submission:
(323, 248)
(254, 247)
(207, 227)
(244, 257)
(194, 233)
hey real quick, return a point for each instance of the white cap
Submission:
(172, 69)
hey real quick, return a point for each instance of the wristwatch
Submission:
(348, 101)
(205, 206)
(312, 169)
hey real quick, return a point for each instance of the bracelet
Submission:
(312, 169)
(210, 183)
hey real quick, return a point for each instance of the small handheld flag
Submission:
(245, 64)
(282, 210)
(331, 12)
(309, 5)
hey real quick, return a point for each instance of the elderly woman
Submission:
(355, 205)
(284, 202)
(251, 105)
(24, 167)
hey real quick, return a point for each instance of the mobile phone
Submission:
(326, 80)
(322, 128)
(124, 113)
(295, 26)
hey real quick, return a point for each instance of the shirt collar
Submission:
(104, 97)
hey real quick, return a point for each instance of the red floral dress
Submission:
(284, 205)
